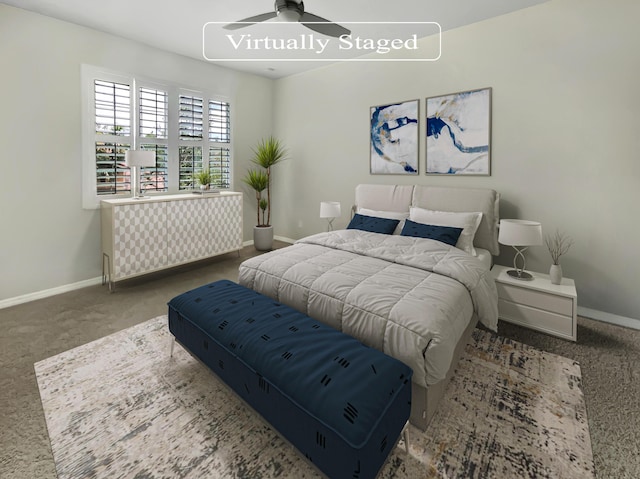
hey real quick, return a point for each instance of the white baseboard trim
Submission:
(284, 239)
(609, 318)
(25, 298)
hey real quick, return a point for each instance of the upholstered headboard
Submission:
(400, 198)
(395, 198)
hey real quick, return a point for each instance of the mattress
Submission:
(411, 298)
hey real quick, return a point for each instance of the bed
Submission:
(414, 298)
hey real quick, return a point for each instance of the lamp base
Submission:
(330, 224)
(136, 191)
(522, 275)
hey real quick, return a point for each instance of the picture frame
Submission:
(458, 133)
(394, 137)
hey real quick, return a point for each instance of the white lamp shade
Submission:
(329, 209)
(139, 158)
(520, 233)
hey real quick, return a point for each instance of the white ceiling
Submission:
(178, 26)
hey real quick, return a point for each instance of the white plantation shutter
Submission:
(112, 177)
(153, 135)
(153, 113)
(220, 166)
(113, 108)
(220, 138)
(187, 130)
(113, 119)
(216, 142)
(190, 124)
(155, 178)
(219, 122)
(112, 136)
(190, 119)
(190, 158)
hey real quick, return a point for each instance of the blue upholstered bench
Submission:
(342, 404)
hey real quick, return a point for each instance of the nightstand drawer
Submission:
(536, 299)
(537, 304)
(539, 319)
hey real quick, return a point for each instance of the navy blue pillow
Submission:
(445, 234)
(373, 224)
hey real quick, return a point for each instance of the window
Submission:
(113, 136)
(188, 131)
(198, 151)
(220, 133)
(153, 135)
(219, 125)
(190, 119)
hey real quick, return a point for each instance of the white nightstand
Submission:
(537, 304)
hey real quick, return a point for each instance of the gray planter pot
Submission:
(263, 238)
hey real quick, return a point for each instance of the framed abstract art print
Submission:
(459, 133)
(394, 138)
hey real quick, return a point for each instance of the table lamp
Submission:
(331, 211)
(520, 234)
(136, 159)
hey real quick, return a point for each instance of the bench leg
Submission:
(173, 343)
(406, 437)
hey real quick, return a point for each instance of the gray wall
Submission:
(47, 240)
(565, 134)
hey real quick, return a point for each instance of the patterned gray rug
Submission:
(121, 407)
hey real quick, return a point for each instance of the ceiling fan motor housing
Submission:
(289, 10)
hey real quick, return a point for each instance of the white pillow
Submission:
(469, 223)
(393, 215)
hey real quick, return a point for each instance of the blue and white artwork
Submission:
(394, 138)
(459, 133)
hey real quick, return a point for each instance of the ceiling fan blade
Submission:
(250, 21)
(325, 27)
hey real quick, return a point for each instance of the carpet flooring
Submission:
(122, 407)
(609, 357)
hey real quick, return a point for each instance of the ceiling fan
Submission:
(293, 11)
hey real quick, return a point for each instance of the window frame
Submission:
(89, 74)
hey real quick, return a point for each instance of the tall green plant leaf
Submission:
(269, 152)
(258, 181)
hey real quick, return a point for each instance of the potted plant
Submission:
(257, 180)
(558, 244)
(268, 153)
(204, 178)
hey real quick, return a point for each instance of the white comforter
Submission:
(411, 298)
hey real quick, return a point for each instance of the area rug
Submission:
(121, 407)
